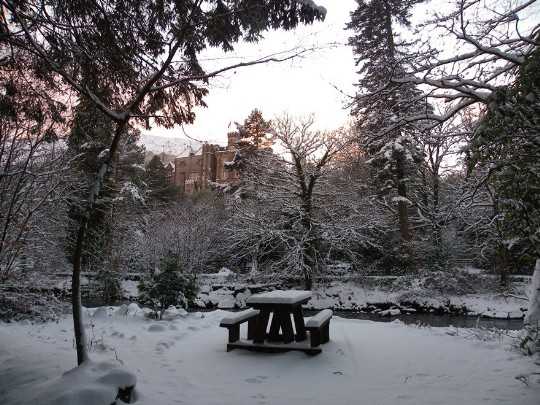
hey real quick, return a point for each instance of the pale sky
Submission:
(300, 87)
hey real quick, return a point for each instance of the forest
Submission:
(438, 168)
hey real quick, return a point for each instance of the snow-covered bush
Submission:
(456, 282)
(36, 307)
(168, 287)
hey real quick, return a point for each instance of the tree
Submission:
(505, 147)
(33, 167)
(189, 229)
(150, 69)
(494, 57)
(490, 43)
(437, 194)
(510, 163)
(122, 188)
(253, 138)
(279, 218)
(159, 187)
(381, 53)
(168, 286)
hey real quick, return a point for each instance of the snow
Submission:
(319, 319)
(177, 147)
(532, 317)
(239, 316)
(91, 383)
(279, 297)
(183, 359)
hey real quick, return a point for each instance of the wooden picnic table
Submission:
(276, 324)
(281, 305)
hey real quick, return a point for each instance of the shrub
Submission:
(168, 287)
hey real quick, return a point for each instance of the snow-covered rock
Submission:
(123, 310)
(227, 303)
(390, 312)
(101, 312)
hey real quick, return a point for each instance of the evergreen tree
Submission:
(255, 133)
(254, 139)
(121, 194)
(505, 147)
(168, 286)
(159, 187)
(380, 53)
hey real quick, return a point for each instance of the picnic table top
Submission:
(289, 297)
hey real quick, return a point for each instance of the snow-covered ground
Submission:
(183, 359)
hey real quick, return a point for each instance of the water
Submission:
(458, 321)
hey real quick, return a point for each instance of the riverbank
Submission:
(466, 293)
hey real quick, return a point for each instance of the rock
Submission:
(123, 310)
(101, 312)
(390, 312)
(133, 308)
(226, 303)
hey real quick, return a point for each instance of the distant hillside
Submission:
(168, 148)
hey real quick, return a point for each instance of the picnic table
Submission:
(276, 324)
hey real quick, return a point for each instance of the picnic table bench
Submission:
(233, 321)
(276, 324)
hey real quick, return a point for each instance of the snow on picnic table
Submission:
(184, 360)
(279, 297)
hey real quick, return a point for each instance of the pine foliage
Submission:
(168, 286)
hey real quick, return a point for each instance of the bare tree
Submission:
(33, 165)
(488, 45)
(190, 229)
(283, 198)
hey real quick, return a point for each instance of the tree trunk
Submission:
(503, 265)
(403, 213)
(78, 324)
(76, 302)
(501, 249)
(308, 281)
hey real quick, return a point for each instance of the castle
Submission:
(192, 173)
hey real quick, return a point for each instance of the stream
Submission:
(459, 321)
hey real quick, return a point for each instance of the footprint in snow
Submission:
(156, 328)
(162, 346)
(180, 336)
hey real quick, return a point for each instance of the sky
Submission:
(320, 83)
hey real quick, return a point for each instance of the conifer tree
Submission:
(254, 139)
(380, 53)
(159, 187)
(505, 148)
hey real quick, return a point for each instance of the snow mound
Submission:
(226, 303)
(101, 312)
(157, 328)
(88, 384)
